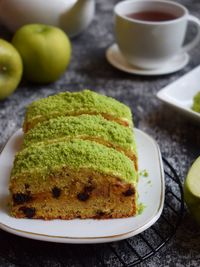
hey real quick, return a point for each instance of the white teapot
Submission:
(73, 16)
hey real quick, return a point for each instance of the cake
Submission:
(73, 104)
(73, 179)
(88, 127)
(78, 159)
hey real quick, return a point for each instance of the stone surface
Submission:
(178, 138)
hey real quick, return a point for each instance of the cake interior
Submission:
(68, 193)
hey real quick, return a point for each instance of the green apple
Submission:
(11, 68)
(192, 190)
(45, 51)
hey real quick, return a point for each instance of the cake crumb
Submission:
(143, 173)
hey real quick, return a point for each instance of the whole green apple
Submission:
(192, 190)
(10, 69)
(45, 51)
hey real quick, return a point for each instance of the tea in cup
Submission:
(149, 33)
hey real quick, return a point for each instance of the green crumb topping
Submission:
(143, 173)
(81, 126)
(196, 102)
(76, 154)
(140, 208)
(68, 103)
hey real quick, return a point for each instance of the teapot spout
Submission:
(78, 17)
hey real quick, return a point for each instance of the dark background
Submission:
(179, 138)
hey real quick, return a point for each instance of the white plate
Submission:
(180, 93)
(116, 59)
(90, 230)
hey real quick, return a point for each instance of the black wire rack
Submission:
(129, 252)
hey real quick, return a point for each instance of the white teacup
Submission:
(150, 43)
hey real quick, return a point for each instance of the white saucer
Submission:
(116, 59)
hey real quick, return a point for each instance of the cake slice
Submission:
(72, 179)
(73, 104)
(87, 127)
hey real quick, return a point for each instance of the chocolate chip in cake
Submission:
(26, 186)
(20, 198)
(90, 179)
(28, 212)
(83, 196)
(129, 192)
(88, 189)
(56, 192)
(100, 213)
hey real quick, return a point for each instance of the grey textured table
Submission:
(178, 138)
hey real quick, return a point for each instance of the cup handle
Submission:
(196, 39)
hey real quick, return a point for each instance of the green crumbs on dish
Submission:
(143, 173)
(64, 128)
(196, 102)
(75, 154)
(68, 103)
(140, 208)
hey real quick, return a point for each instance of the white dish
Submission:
(116, 59)
(89, 231)
(180, 93)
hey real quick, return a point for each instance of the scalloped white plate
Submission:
(180, 93)
(151, 194)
